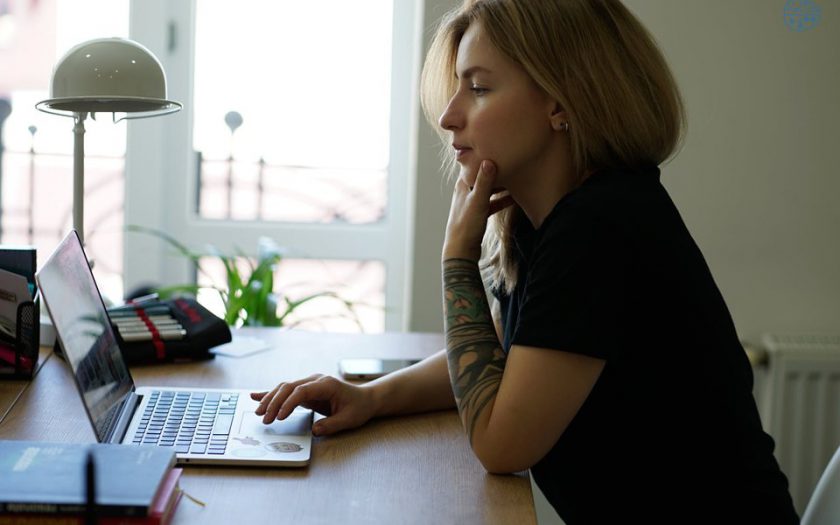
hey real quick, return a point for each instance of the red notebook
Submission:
(166, 499)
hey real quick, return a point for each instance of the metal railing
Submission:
(42, 215)
(358, 195)
(322, 195)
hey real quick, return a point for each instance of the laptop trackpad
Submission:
(250, 437)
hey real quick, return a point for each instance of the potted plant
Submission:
(248, 297)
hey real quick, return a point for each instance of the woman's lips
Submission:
(461, 151)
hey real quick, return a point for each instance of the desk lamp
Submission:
(110, 75)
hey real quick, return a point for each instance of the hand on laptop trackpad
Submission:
(298, 423)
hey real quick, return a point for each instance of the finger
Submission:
(467, 178)
(303, 394)
(277, 401)
(500, 204)
(484, 181)
(257, 396)
(265, 400)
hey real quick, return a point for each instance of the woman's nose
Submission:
(451, 118)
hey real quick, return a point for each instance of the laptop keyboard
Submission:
(191, 422)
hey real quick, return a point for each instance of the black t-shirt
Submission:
(670, 432)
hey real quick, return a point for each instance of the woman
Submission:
(611, 367)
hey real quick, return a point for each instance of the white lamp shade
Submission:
(111, 75)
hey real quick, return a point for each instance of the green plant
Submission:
(249, 297)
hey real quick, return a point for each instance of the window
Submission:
(296, 126)
(291, 110)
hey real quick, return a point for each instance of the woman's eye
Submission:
(479, 90)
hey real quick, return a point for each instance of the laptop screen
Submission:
(84, 331)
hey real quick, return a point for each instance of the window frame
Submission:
(160, 148)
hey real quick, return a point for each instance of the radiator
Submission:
(800, 406)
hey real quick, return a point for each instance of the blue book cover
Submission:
(46, 478)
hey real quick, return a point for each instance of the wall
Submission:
(756, 181)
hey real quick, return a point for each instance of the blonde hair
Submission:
(596, 60)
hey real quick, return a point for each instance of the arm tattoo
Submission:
(476, 360)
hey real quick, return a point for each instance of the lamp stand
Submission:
(79, 173)
(104, 75)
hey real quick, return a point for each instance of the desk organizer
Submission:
(19, 358)
(197, 330)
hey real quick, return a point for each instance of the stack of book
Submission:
(71, 483)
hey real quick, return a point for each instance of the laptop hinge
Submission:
(130, 404)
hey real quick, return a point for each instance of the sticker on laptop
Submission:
(283, 446)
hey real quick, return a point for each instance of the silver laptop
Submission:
(208, 426)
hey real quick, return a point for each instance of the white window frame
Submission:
(160, 168)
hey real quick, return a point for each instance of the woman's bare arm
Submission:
(422, 387)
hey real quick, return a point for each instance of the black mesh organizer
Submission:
(19, 357)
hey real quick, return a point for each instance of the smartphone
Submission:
(371, 368)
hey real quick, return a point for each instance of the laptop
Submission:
(202, 426)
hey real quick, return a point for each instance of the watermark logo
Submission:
(802, 15)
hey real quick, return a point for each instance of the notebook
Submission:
(204, 426)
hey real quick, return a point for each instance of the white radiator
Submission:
(800, 405)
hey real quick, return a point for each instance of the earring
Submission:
(564, 126)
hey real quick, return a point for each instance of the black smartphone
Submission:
(371, 368)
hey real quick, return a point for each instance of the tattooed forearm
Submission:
(476, 359)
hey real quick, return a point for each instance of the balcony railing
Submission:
(36, 208)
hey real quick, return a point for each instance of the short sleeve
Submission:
(575, 294)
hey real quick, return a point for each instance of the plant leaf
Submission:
(167, 292)
(249, 299)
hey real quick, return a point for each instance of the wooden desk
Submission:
(11, 389)
(415, 469)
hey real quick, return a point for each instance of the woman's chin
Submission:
(468, 174)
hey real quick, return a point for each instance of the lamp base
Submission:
(47, 337)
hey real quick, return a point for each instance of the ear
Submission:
(558, 116)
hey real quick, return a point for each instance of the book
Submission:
(160, 513)
(49, 478)
(167, 498)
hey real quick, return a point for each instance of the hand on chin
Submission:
(468, 175)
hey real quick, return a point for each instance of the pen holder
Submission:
(19, 358)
